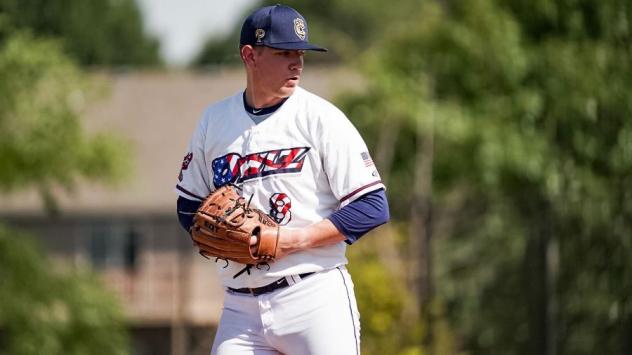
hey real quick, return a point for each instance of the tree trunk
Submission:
(420, 225)
(389, 254)
(552, 273)
(542, 269)
(385, 148)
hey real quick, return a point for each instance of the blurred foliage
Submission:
(94, 33)
(44, 311)
(344, 27)
(389, 325)
(43, 145)
(381, 301)
(42, 141)
(219, 51)
(529, 107)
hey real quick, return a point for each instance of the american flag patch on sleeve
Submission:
(366, 158)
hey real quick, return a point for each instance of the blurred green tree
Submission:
(95, 33)
(42, 146)
(523, 111)
(43, 311)
(219, 51)
(42, 141)
(388, 325)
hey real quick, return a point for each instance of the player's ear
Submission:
(247, 53)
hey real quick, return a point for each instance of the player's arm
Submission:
(193, 180)
(347, 224)
(186, 211)
(362, 215)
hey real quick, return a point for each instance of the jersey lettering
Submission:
(235, 169)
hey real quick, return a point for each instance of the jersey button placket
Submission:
(252, 146)
(247, 149)
(251, 143)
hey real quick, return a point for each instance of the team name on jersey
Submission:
(234, 168)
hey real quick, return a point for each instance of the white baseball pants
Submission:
(314, 316)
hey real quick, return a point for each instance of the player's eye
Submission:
(289, 53)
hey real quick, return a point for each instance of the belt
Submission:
(280, 283)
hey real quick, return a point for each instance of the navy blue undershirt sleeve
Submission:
(361, 215)
(186, 211)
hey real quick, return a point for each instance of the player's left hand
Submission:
(225, 227)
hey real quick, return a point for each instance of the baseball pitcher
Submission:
(276, 183)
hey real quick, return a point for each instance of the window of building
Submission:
(113, 245)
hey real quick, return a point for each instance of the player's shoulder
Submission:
(222, 107)
(214, 114)
(314, 105)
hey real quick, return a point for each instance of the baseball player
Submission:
(298, 158)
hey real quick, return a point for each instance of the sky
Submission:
(182, 26)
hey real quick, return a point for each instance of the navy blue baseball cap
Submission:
(279, 27)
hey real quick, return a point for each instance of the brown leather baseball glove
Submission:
(224, 223)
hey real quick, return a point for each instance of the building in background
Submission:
(130, 233)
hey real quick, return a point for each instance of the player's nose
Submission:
(297, 62)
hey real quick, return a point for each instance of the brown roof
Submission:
(157, 112)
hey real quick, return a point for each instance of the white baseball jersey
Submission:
(299, 165)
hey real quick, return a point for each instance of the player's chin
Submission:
(287, 90)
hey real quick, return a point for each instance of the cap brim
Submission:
(297, 46)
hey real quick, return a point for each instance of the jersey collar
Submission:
(262, 111)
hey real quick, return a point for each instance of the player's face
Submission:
(278, 71)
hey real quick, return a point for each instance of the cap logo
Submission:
(299, 28)
(259, 34)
